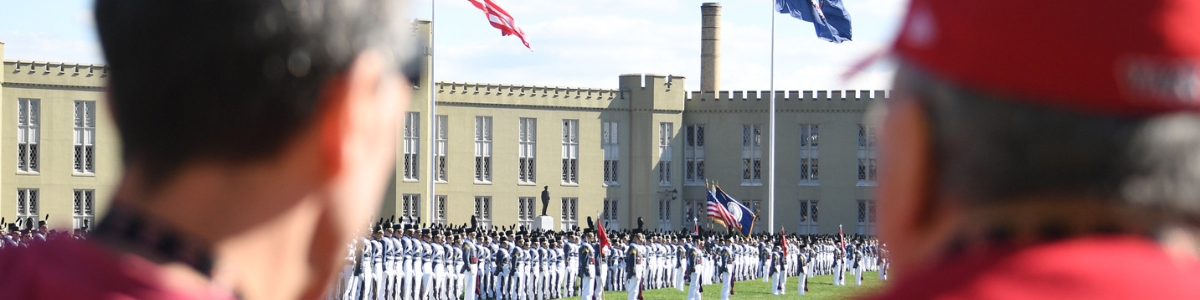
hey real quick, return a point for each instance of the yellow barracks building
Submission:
(642, 148)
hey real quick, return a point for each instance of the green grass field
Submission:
(819, 287)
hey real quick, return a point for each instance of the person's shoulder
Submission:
(39, 272)
(1118, 267)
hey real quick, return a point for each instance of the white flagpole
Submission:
(432, 115)
(771, 139)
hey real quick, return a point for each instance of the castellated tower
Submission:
(710, 47)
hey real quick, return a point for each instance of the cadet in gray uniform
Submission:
(427, 274)
(695, 259)
(571, 248)
(389, 262)
(725, 263)
(371, 261)
(503, 269)
(635, 265)
(586, 267)
(470, 260)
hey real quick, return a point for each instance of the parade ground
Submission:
(819, 287)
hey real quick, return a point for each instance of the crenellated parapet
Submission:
(530, 95)
(54, 74)
(785, 100)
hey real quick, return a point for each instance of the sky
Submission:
(575, 43)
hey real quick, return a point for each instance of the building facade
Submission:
(644, 149)
(60, 147)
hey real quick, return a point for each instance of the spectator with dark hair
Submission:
(256, 136)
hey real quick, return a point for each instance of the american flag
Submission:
(718, 211)
(500, 19)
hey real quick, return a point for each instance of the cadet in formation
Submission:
(406, 260)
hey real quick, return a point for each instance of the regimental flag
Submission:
(603, 236)
(829, 17)
(841, 238)
(783, 240)
(727, 210)
(500, 19)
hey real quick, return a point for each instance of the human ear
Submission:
(905, 189)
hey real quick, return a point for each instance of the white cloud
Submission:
(43, 46)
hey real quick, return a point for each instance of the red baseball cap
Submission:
(1112, 57)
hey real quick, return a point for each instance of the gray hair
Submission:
(991, 148)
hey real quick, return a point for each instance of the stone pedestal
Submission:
(544, 223)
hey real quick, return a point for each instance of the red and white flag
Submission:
(500, 19)
(841, 237)
(783, 240)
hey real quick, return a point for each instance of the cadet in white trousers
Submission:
(427, 266)
(695, 263)
(778, 273)
(586, 267)
(602, 270)
(859, 266)
(411, 257)
(471, 259)
(804, 266)
(725, 264)
(679, 262)
(635, 264)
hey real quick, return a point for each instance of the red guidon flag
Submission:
(783, 240)
(602, 236)
(500, 19)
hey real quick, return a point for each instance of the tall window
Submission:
(28, 137)
(570, 213)
(693, 152)
(483, 211)
(664, 214)
(866, 217)
(694, 212)
(808, 217)
(27, 204)
(527, 159)
(410, 208)
(752, 154)
(440, 141)
(412, 142)
(866, 155)
(612, 151)
(85, 137)
(666, 131)
(483, 149)
(570, 152)
(809, 153)
(84, 212)
(610, 212)
(440, 205)
(525, 208)
(756, 207)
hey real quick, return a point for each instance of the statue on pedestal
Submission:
(545, 199)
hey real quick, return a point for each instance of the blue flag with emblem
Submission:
(829, 17)
(731, 212)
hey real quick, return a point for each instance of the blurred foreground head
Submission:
(259, 122)
(1021, 123)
